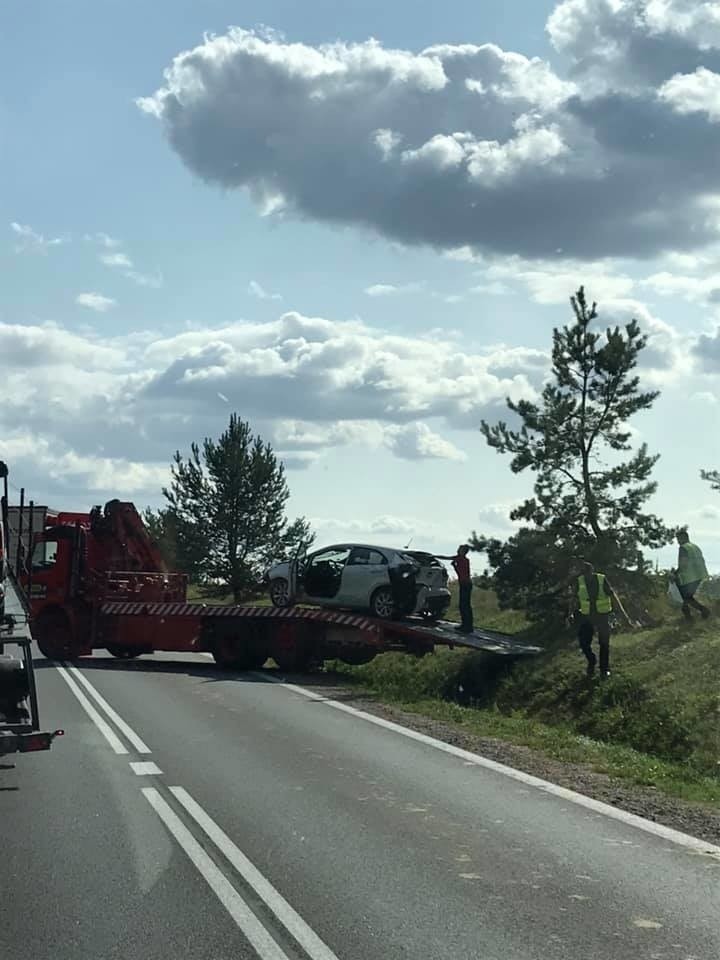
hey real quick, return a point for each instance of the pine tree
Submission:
(712, 477)
(227, 510)
(590, 486)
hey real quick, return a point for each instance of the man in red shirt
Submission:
(461, 565)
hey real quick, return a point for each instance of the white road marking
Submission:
(288, 917)
(104, 728)
(256, 934)
(146, 768)
(597, 806)
(125, 728)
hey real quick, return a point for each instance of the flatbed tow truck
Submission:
(98, 581)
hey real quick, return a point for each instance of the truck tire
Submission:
(293, 661)
(232, 654)
(123, 653)
(53, 634)
(280, 592)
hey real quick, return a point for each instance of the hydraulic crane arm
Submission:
(120, 528)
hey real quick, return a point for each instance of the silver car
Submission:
(383, 582)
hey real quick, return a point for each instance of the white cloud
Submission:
(698, 289)
(102, 240)
(29, 241)
(121, 261)
(504, 153)
(306, 384)
(495, 288)
(116, 260)
(553, 281)
(392, 289)
(416, 441)
(154, 280)
(91, 472)
(705, 397)
(95, 301)
(259, 292)
(697, 92)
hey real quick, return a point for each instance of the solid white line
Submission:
(597, 806)
(254, 931)
(125, 728)
(104, 728)
(145, 768)
(288, 917)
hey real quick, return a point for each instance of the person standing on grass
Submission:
(461, 566)
(594, 600)
(690, 574)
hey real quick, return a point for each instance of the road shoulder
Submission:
(694, 819)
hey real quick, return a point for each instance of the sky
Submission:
(355, 225)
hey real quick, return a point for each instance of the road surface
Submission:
(191, 813)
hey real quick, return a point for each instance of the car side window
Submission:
(363, 556)
(359, 557)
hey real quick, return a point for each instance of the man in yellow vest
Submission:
(690, 574)
(595, 597)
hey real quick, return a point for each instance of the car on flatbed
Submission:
(381, 581)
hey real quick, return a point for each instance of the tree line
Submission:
(225, 517)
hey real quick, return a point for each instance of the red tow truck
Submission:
(98, 581)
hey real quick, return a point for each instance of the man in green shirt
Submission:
(690, 573)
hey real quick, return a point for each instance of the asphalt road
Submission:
(267, 823)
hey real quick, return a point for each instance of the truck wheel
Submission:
(293, 661)
(280, 592)
(53, 635)
(231, 654)
(123, 653)
(382, 604)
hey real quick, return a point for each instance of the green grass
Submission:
(561, 742)
(196, 595)
(487, 612)
(655, 721)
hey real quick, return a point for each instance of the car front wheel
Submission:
(382, 604)
(280, 592)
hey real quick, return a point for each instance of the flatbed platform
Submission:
(386, 633)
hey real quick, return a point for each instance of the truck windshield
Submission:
(44, 554)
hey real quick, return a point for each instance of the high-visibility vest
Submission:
(603, 604)
(693, 567)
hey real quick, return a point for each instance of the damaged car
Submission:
(383, 582)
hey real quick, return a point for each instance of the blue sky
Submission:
(365, 324)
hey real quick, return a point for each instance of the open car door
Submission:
(296, 572)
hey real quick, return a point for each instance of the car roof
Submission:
(351, 546)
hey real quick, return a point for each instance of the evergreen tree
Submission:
(590, 486)
(227, 511)
(712, 477)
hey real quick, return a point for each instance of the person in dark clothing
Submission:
(594, 598)
(461, 566)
